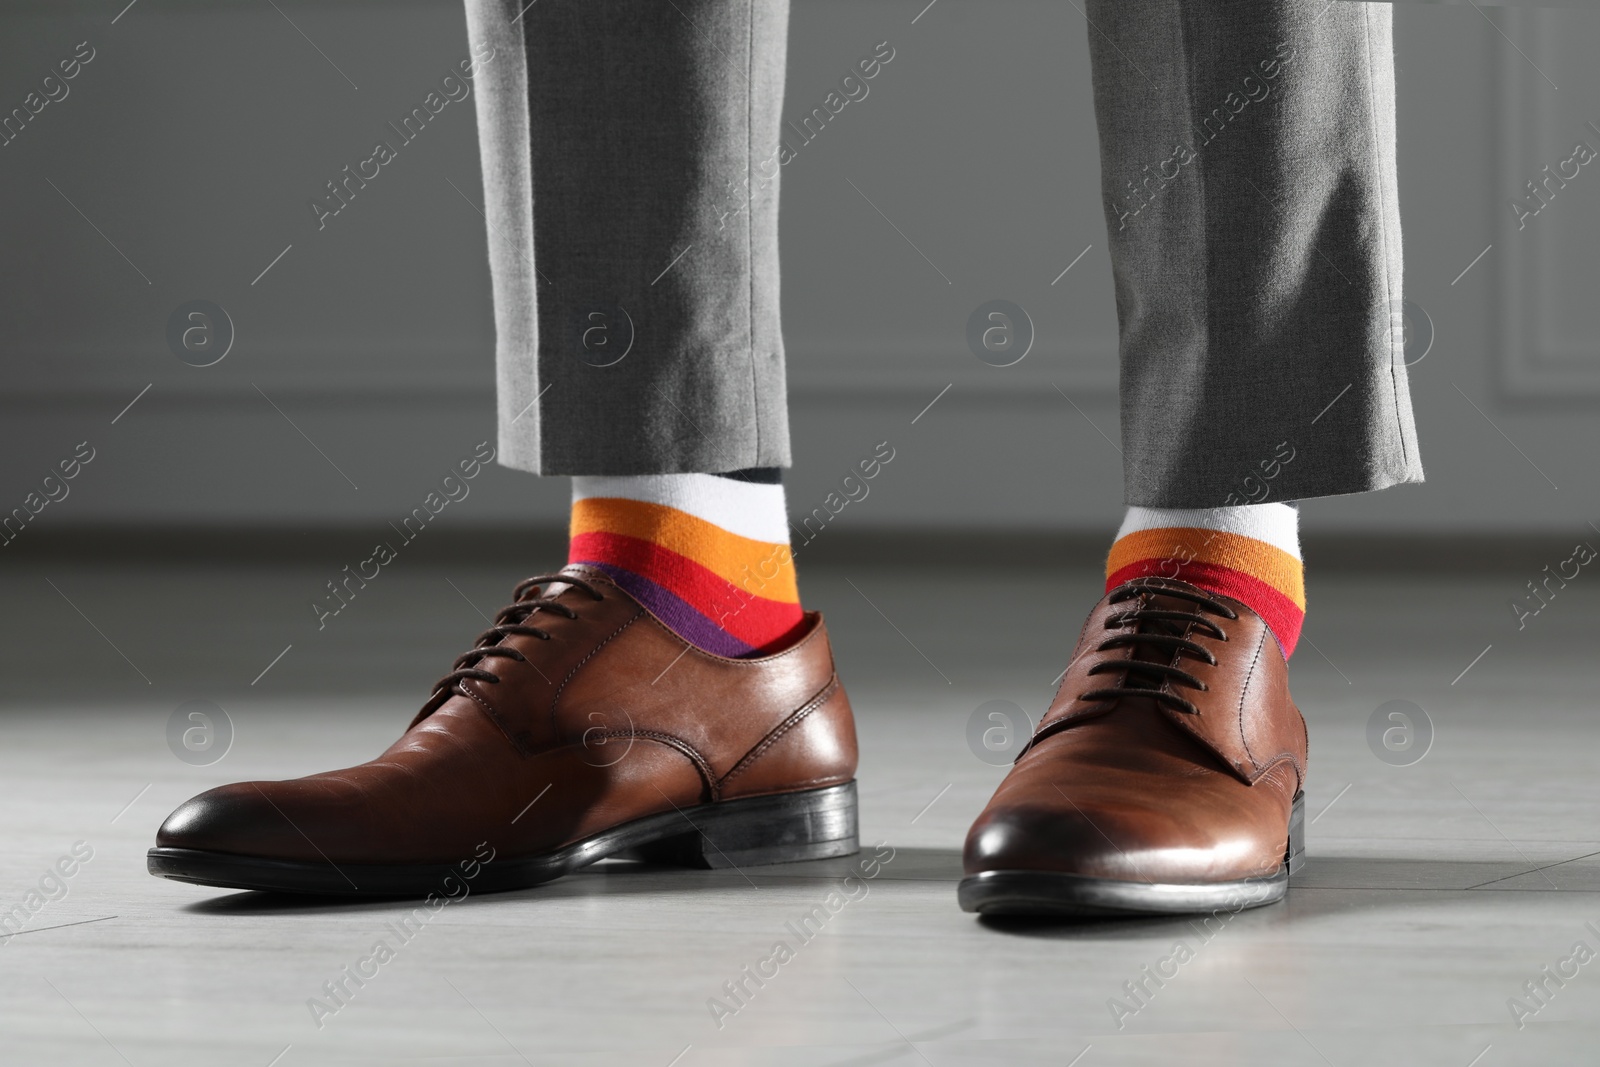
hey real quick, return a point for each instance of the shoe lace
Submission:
(527, 598)
(1157, 628)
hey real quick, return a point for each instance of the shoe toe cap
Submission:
(1122, 841)
(1029, 837)
(236, 818)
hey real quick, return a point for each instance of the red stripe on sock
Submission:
(1282, 615)
(755, 620)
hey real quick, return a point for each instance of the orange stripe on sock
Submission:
(750, 617)
(1167, 550)
(727, 555)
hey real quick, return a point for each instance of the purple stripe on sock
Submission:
(678, 614)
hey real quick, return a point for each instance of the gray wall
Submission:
(181, 163)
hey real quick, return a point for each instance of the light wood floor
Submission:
(1433, 892)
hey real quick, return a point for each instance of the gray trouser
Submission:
(1248, 171)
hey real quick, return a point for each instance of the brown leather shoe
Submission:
(1166, 776)
(578, 728)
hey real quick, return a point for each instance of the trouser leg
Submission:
(630, 172)
(1248, 172)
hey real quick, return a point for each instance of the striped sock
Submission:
(1250, 553)
(707, 554)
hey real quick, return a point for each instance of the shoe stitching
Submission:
(579, 665)
(1244, 691)
(494, 717)
(783, 728)
(675, 742)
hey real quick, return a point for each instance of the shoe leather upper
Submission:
(612, 717)
(1139, 788)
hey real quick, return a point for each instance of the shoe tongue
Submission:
(551, 590)
(1153, 652)
(546, 591)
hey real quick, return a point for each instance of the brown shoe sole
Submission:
(785, 828)
(1050, 893)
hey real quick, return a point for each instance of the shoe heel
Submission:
(1294, 855)
(816, 824)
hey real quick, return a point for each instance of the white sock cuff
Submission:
(1277, 524)
(749, 509)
